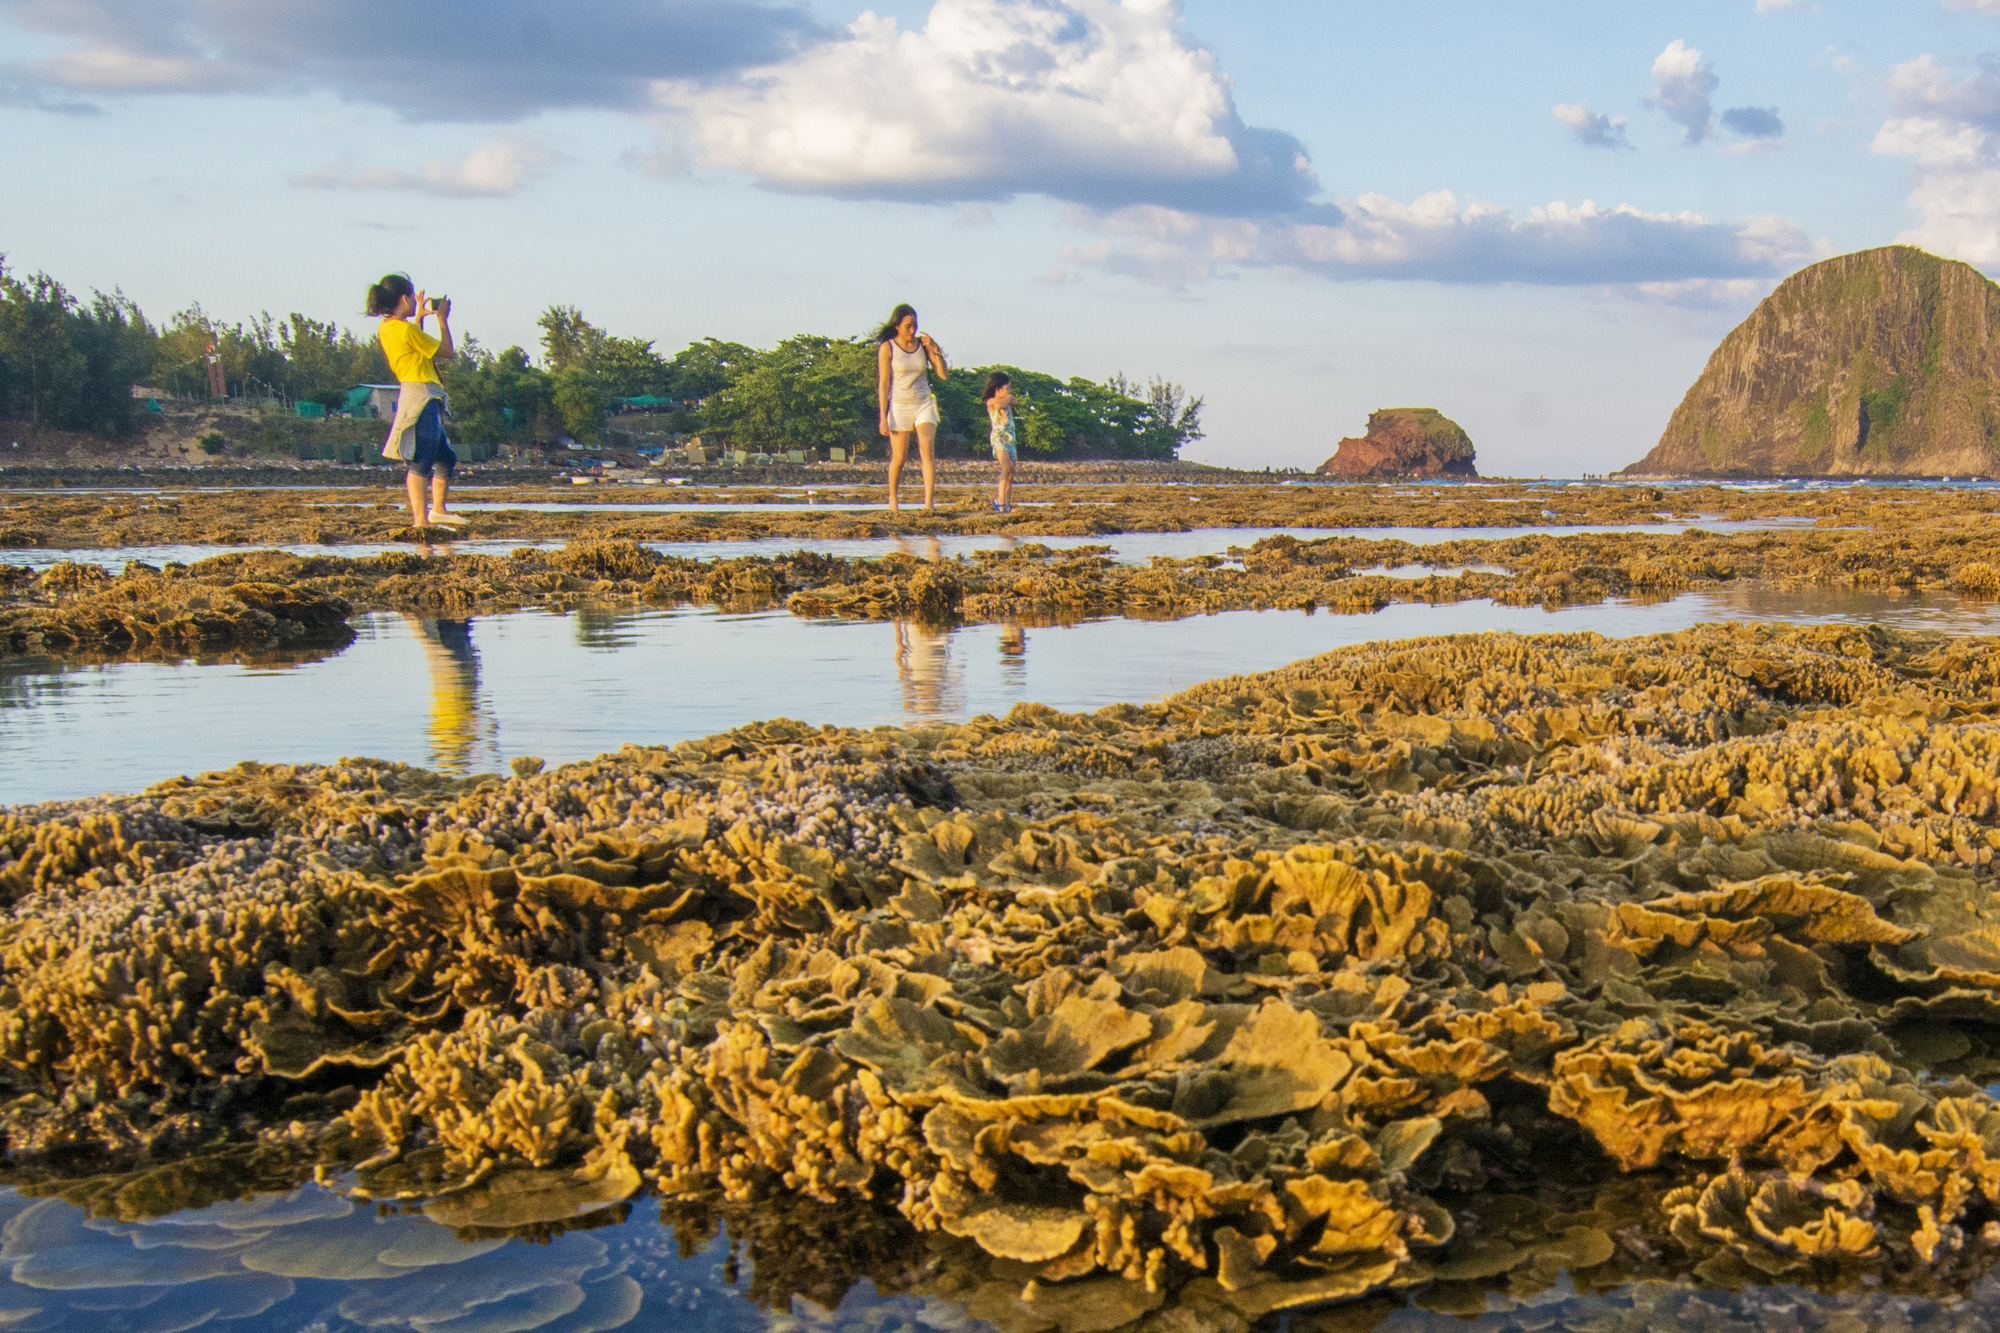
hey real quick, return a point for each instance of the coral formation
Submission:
(340, 516)
(1264, 996)
(272, 601)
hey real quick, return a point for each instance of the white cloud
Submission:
(1800, 6)
(1753, 122)
(1683, 86)
(1951, 130)
(1436, 238)
(1972, 6)
(101, 69)
(493, 169)
(1706, 294)
(1592, 128)
(482, 60)
(1090, 101)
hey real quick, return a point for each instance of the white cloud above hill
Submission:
(1950, 127)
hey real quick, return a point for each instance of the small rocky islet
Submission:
(1445, 964)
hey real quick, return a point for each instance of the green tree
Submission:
(569, 341)
(705, 368)
(498, 397)
(118, 349)
(66, 364)
(44, 370)
(1170, 419)
(629, 367)
(579, 402)
(807, 392)
(253, 361)
(323, 361)
(593, 367)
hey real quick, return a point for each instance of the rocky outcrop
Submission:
(1879, 363)
(1404, 442)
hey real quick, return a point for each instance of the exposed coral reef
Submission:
(1268, 995)
(1404, 442)
(339, 516)
(273, 599)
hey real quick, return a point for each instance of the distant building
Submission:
(371, 400)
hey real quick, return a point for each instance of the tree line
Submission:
(71, 364)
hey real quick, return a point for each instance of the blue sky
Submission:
(1537, 218)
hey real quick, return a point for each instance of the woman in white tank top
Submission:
(903, 358)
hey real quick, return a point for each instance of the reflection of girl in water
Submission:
(923, 667)
(454, 671)
(1013, 656)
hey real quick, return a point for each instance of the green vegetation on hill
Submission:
(1884, 362)
(72, 365)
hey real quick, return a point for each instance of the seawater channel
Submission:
(1130, 548)
(465, 696)
(311, 1261)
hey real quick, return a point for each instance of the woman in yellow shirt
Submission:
(417, 435)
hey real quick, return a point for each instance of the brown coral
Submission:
(1242, 995)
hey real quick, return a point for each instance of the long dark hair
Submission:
(896, 316)
(996, 380)
(386, 295)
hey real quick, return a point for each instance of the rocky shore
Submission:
(1448, 963)
(273, 601)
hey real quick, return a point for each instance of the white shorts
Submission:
(908, 416)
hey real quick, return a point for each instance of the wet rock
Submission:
(1418, 442)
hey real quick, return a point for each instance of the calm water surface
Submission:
(466, 696)
(312, 1260)
(1131, 548)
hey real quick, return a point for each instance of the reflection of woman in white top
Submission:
(903, 392)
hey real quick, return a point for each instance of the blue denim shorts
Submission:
(433, 449)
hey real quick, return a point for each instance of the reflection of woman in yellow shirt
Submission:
(454, 669)
(418, 432)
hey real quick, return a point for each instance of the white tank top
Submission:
(907, 381)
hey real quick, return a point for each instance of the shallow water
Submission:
(1131, 548)
(310, 1259)
(666, 507)
(465, 697)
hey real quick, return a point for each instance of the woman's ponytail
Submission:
(386, 295)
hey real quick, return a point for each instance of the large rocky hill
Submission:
(1879, 363)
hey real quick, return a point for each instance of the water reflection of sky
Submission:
(310, 1259)
(567, 687)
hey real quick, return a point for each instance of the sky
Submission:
(1538, 218)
